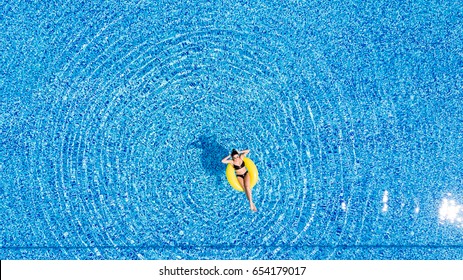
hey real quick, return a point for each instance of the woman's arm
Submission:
(226, 160)
(244, 152)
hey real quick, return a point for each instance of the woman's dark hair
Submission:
(234, 152)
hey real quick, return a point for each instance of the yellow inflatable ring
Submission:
(253, 174)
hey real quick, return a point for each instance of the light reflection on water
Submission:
(385, 200)
(450, 211)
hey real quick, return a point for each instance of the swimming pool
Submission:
(114, 119)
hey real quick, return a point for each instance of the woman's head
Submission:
(234, 154)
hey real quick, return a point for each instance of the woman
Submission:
(241, 173)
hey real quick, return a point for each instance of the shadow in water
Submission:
(211, 155)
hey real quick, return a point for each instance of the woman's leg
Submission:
(248, 191)
(241, 181)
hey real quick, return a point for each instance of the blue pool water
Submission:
(114, 118)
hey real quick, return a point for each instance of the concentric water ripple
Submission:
(121, 141)
(119, 155)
